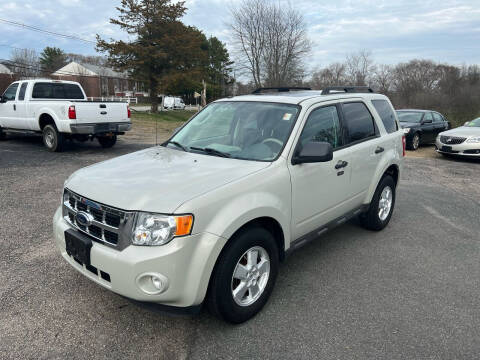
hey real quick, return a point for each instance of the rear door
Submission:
(8, 108)
(428, 129)
(21, 120)
(365, 146)
(439, 123)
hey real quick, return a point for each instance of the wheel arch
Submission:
(392, 169)
(46, 118)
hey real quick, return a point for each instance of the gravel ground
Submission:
(409, 292)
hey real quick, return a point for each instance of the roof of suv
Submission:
(297, 97)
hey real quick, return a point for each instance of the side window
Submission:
(42, 91)
(437, 118)
(428, 116)
(11, 92)
(323, 125)
(23, 90)
(359, 122)
(387, 115)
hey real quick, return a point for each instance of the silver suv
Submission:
(209, 215)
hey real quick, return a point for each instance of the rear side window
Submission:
(323, 125)
(437, 117)
(57, 91)
(21, 94)
(387, 115)
(11, 92)
(358, 120)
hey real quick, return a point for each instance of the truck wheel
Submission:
(414, 143)
(52, 139)
(107, 141)
(244, 276)
(3, 135)
(381, 208)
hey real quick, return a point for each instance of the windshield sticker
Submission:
(287, 116)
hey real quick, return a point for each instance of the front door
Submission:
(9, 107)
(428, 129)
(21, 120)
(320, 191)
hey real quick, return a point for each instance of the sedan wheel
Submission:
(415, 141)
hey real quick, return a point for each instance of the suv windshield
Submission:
(409, 116)
(474, 123)
(242, 130)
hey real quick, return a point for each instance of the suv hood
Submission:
(158, 179)
(463, 131)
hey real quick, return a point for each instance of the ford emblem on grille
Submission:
(84, 219)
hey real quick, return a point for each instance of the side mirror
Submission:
(313, 152)
(2, 99)
(427, 121)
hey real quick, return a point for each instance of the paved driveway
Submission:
(409, 292)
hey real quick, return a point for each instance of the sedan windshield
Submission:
(409, 116)
(474, 123)
(242, 130)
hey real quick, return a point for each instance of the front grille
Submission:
(107, 225)
(452, 140)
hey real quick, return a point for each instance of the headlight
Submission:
(474, 140)
(406, 130)
(156, 229)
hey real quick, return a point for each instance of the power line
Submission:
(48, 32)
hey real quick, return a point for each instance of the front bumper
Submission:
(463, 149)
(92, 129)
(186, 262)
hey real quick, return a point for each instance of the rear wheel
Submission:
(52, 139)
(415, 142)
(244, 276)
(107, 141)
(381, 208)
(3, 135)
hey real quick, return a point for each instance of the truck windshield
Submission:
(410, 116)
(242, 130)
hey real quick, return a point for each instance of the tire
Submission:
(414, 143)
(52, 139)
(107, 142)
(375, 219)
(235, 259)
(3, 135)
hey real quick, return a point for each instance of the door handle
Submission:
(379, 150)
(14, 107)
(341, 164)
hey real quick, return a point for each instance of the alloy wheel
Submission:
(385, 203)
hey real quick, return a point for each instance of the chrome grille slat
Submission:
(452, 140)
(102, 228)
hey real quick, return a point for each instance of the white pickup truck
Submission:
(60, 111)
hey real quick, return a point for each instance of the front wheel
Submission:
(381, 208)
(414, 143)
(244, 276)
(107, 141)
(52, 139)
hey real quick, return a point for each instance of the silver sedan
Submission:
(462, 141)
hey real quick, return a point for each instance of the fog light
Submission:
(152, 283)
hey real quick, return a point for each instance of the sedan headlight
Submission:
(474, 140)
(157, 229)
(406, 130)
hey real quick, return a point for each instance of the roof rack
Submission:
(279, 89)
(346, 89)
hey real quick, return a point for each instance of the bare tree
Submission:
(270, 42)
(382, 78)
(333, 75)
(25, 63)
(359, 67)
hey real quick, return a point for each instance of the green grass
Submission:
(176, 116)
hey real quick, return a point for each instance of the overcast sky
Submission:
(441, 30)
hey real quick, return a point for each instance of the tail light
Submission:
(129, 112)
(72, 114)
(404, 144)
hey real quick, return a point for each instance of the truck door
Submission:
(21, 120)
(8, 107)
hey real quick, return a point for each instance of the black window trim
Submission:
(340, 121)
(23, 84)
(375, 127)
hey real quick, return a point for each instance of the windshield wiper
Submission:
(177, 144)
(211, 151)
